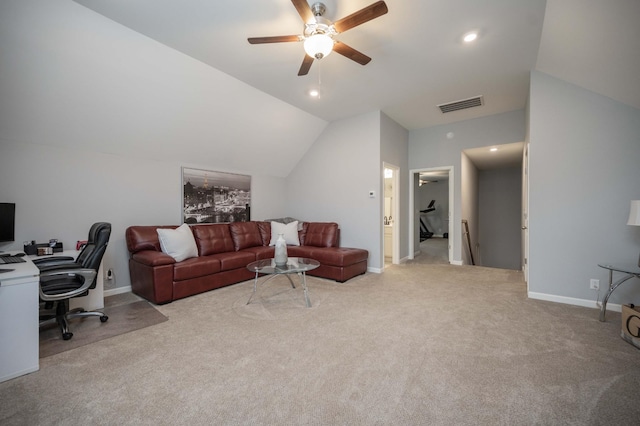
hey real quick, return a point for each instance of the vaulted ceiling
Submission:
(418, 57)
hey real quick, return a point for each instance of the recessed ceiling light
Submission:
(493, 149)
(314, 93)
(469, 37)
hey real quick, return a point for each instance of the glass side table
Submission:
(629, 270)
(295, 265)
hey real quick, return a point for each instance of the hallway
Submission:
(433, 251)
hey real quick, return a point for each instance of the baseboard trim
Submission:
(456, 262)
(117, 290)
(374, 270)
(573, 301)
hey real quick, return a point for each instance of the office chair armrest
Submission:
(89, 276)
(58, 267)
(54, 260)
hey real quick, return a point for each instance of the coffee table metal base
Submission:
(294, 265)
(303, 279)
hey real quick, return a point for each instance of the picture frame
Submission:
(215, 197)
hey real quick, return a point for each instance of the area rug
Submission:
(122, 319)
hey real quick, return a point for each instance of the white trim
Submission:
(395, 235)
(456, 262)
(374, 270)
(573, 301)
(117, 290)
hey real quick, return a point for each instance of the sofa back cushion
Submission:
(265, 232)
(144, 238)
(245, 235)
(213, 238)
(321, 234)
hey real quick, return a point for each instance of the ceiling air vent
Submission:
(463, 104)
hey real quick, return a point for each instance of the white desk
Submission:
(19, 322)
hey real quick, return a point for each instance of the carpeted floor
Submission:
(419, 344)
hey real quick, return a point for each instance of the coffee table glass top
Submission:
(293, 266)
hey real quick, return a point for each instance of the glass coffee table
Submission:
(295, 265)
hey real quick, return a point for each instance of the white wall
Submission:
(583, 173)
(430, 148)
(394, 149)
(93, 120)
(332, 183)
(499, 217)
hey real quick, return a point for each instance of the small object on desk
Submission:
(43, 251)
(19, 254)
(6, 270)
(4, 254)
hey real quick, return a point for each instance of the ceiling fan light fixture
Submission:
(318, 45)
(470, 36)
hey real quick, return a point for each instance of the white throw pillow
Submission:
(289, 231)
(178, 243)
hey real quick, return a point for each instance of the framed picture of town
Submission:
(215, 197)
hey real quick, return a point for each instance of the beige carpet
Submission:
(123, 318)
(419, 344)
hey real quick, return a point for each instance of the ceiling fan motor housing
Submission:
(318, 9)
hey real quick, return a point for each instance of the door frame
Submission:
(395, 234)
(525, 214)
(412, 213)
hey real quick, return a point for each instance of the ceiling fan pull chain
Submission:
(319, 79)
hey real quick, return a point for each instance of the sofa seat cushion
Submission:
(262, 252)
(234, 259)
(333, 256)
(196, 267)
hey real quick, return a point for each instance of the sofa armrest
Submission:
(153, 258)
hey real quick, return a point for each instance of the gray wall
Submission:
(430, 148)
(499, 213)
(583, 173)
(332, 183)
(469, 211)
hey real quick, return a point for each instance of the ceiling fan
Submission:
(319, 32)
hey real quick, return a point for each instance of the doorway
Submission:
(390, 215)
(431, 223)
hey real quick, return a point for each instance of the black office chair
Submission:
(62, 278)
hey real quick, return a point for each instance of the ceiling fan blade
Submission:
(351, 53)
(304, 10)
(306, 65)
(274, 39)
(366, 14)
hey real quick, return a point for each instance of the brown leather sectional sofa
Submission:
(224, 251)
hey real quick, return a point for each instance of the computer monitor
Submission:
(7, 222)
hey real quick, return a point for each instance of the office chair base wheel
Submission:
(67, 336)
(104, 318)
